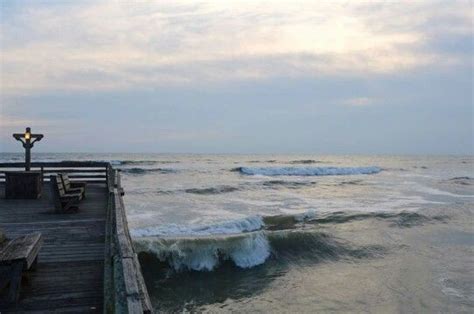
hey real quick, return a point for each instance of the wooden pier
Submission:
(87, 262)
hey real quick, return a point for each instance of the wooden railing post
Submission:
(107, 174)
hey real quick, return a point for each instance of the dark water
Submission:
(302, 234)
(396, 263)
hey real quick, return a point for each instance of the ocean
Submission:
(300, 233)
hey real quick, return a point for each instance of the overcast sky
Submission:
(392, 77)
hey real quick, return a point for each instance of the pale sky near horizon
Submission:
(365, 77)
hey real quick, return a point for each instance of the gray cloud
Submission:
(344, 77)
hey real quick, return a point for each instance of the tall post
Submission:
(28, 140)
(27, 158)
(27, 147)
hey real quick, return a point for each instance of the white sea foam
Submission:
(205, 253)
(308, 171)
(242, 241)
(247, 224)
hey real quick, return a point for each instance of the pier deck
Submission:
(87, 262)
(70, 272)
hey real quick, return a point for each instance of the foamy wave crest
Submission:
(244, 241)
(247, 224)
(205, 253)
(252, 241)
(307, 171)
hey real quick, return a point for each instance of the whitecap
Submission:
(308, 171)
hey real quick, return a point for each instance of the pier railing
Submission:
(88, 171)
(124, 286)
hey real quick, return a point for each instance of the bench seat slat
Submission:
(70, 196)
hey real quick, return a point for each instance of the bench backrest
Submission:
(63, 199)
(65, 181)
(57, 190)
(59, 185)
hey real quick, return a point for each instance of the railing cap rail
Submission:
(128, 272)
(66, 163)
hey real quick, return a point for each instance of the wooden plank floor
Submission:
(69, 276)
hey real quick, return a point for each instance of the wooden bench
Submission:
(63, 201)
(72, 187)
(16, 256)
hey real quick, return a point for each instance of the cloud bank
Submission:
(239, 76)
(116, 45)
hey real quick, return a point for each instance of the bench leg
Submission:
(26, 276)
(34, 264)
(5, 272)
(70, 206)
(58, 207)
(15, 283)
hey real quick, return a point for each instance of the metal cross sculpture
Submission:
(28, 141)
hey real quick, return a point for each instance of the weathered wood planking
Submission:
(87, 263)
(69, 275)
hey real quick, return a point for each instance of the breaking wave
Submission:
(306, 171)
(251, 241)
(205, 253)
(247, 224)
